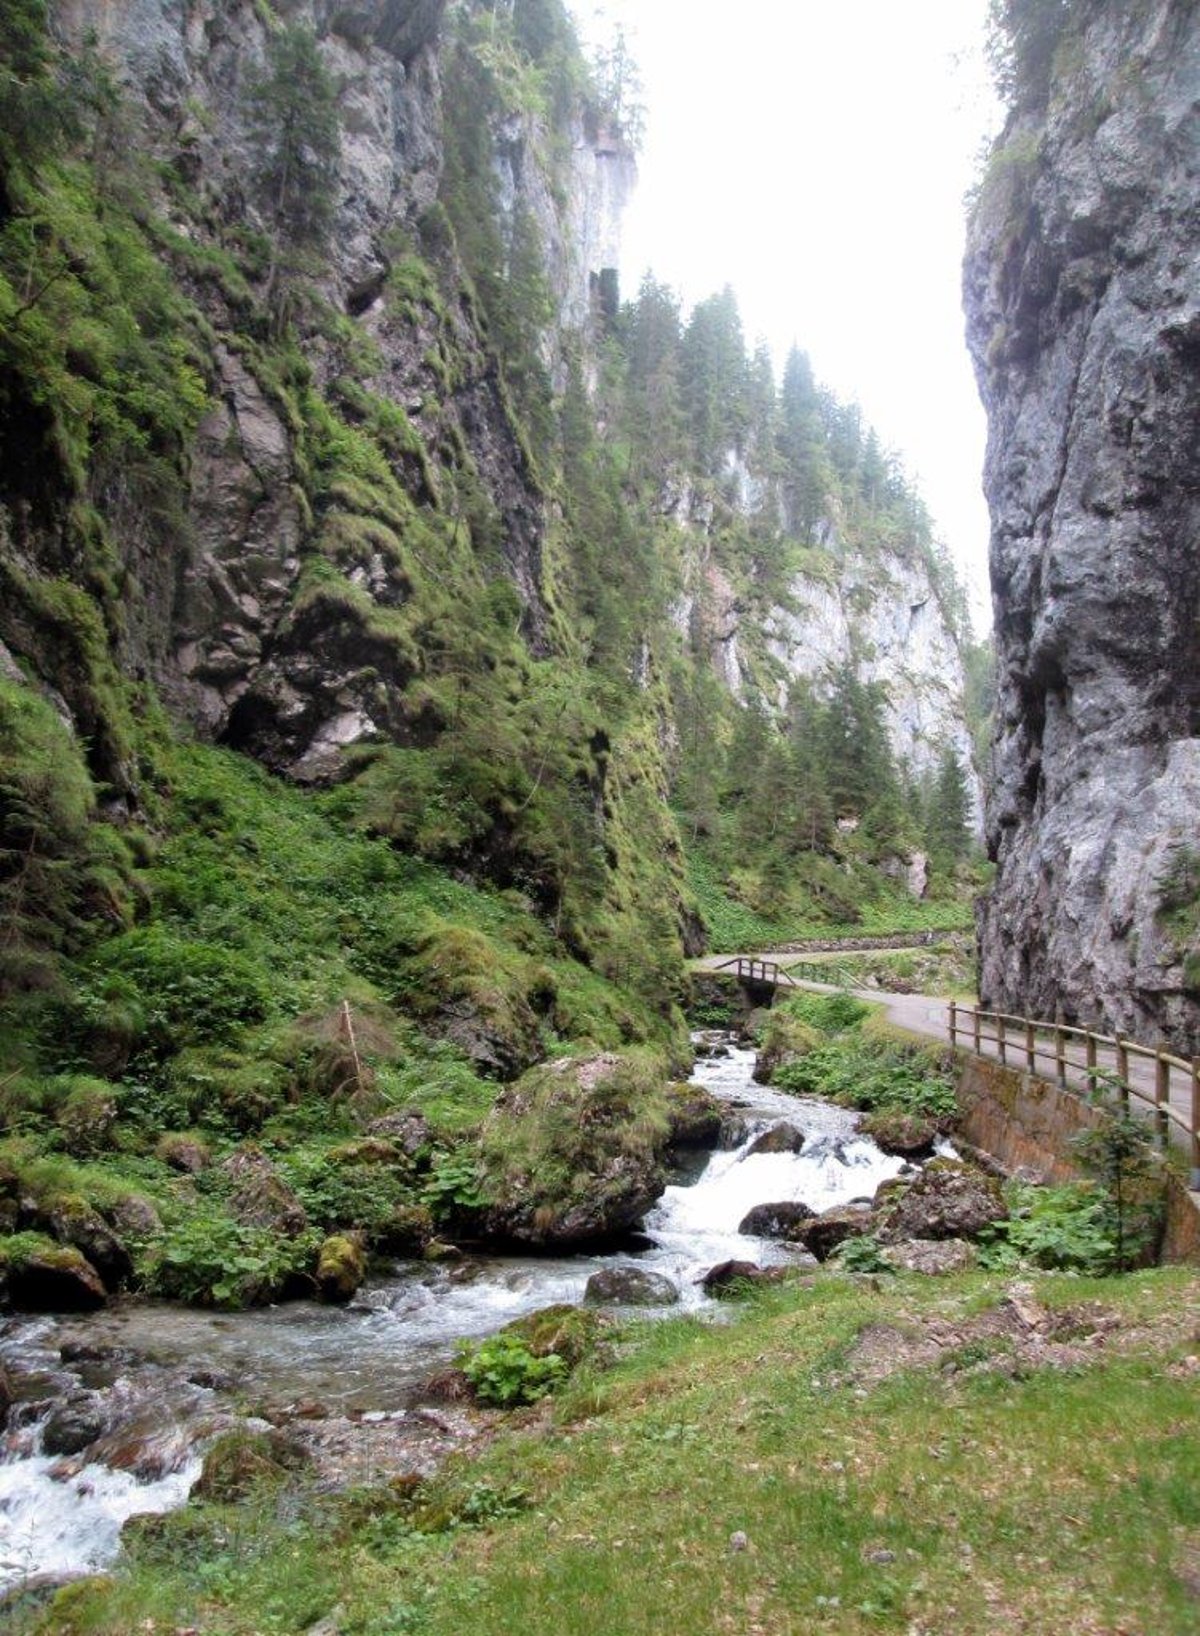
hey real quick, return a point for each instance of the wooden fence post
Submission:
(1030, 1048)
(977, 1041)
(1123, 1071)
(1002, 1041)
(954, 1022)
(1162, 1096)
(1060, 1055)
(1091, 1062)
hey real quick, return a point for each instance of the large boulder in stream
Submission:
(780, 1138)
(341, 1268)
(775, 1220)
(569, 1155)
(696, 1117)
(948, 1199)
(630, 1287)
(729, 1279)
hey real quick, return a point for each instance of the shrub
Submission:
(210, 1260)
(502, 1370)
(1058, 1228)
(871, 1074)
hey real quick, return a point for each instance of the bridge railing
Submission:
(748, 970)
(1165, 1085)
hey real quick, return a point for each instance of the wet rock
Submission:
(734, 1130)
(905, 1134)
(187, 1154)
(948, 1199)
(6, 1395)
(695, 1116)
(930, 1256)
(56, 1278)
(825, 1232)
(781, 1138)
(341, 1268)
(731, 1278)
(408, 1129)
(630, 1287)
(74, 1425)
(72, 1221)
(775, 1220)
(260, 1196)
(438, 1251)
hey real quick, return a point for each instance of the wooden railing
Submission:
(1165, 1085)
(817, 971)
(766, 972)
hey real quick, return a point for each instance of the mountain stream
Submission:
(113, 1410)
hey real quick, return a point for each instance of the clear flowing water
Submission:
(60, 1516)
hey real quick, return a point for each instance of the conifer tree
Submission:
(295, 124)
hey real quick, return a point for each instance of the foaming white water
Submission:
(53, 1526)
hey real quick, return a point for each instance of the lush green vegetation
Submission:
(671, 1485)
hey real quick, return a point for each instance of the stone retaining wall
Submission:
(1026, 1123)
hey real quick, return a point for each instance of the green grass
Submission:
(733, 926)
(1063, 1499)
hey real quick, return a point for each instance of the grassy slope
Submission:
(945, 1499)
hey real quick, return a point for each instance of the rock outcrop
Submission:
(1084, 324)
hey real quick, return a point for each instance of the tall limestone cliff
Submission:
(1084, 323)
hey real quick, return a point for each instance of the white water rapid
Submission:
(63, 1516)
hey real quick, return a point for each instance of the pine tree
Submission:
(295, 123)
(948, 824)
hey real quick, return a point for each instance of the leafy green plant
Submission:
(453, 1184)
(210, 1260)
(861, 1254)
(502, 1370)
(872, 1075)
(1066, 1228)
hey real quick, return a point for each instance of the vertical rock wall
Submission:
(1083, 299)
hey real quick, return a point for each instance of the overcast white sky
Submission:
(814, 154)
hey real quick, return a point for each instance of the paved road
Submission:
(928, 1015)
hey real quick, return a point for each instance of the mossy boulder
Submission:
(185, 1153)
(570, 1153)
(240, 1463)
(783, 1038)
(695, 1117)
(71, 1220)
(730, 1279)
(87, 1117)
(259, 1197)
(42, 1276)
(948, 1199)
(570, 1333)
(368, 1150)
(341, 1268)
(408, 1230)
(408, 1130)
(477, 994)
(908, 1134)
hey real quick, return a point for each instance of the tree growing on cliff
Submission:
(294, 122)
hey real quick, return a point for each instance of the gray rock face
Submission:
(1084, 324)
(221, 623)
